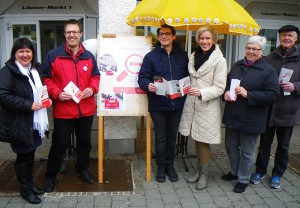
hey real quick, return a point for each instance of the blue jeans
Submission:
(165, 127)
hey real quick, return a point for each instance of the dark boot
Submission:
(160, 175)
(33, 188)
(25, 190)
(171, 173)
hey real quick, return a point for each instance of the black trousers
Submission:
(283, 134)
(61, 139)
(165, 127)
(25, 157)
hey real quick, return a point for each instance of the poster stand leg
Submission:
(100, 148)
(148, 148)
(141, 140)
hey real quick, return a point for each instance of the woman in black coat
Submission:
(22, 118)
(246, 108)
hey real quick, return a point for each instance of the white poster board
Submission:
(119, 60)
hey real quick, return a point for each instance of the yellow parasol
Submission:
(226, 16)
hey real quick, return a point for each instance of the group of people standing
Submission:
(25, 121)
(257, 104)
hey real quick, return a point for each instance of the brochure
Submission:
(285, 76)
(174, 88)
(43, 96)
(234, 84)
(72, 89)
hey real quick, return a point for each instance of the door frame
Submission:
(9, 35)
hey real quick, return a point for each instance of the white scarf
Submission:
(40, 117)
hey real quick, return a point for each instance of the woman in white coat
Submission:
(201, 116)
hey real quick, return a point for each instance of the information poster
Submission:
(119, 61)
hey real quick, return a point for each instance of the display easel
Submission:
(148, 147)
(135, 103)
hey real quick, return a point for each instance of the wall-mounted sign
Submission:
(274, 11)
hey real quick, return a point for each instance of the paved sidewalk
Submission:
(180, 194)
(219, 193)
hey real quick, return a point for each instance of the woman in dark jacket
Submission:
(23, 120)
(246, 108)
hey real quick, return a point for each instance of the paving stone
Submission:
(173, 206)
(274, 202)
(264, 193)
(184, 193)
(292, 190)
(52, 199)
(215, 191)
(15, 205)
(157, 203)
(166, 187)
(69, 201)
(261, 206)
(181, 184)
(152, 194)
(50, 205)
(86, 198)
(85, 204)
(119, 197)
(297, 197)
(4, 201)
(253, 199)
(189, 202)
(210, 205)
(137, 201)
(170, 198)
(241, 204)
(103, 201)
(234, 197)
(203, 197)
(284, 196)
(120, 204)
(292, 205)
(222, 201)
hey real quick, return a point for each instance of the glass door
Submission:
(52, 35)
(272, 41)
(28, 29)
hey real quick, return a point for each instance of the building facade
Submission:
(42, 21)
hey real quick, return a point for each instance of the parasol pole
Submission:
(186, 37)
(190, 43)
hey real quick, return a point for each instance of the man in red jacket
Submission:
(71, 64)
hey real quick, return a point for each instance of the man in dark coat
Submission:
(285, 113)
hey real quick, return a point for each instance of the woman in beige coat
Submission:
(201, 116)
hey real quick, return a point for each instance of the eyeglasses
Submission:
(74, 32)
(167, 34)
(253, 49)
(289, 35)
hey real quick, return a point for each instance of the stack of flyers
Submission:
(173, 88)
(72, 89)
(285, 76)
(184, 85)
(43, 96)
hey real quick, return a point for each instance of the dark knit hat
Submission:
(288, 28)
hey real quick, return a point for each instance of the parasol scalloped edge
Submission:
(193, 21)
